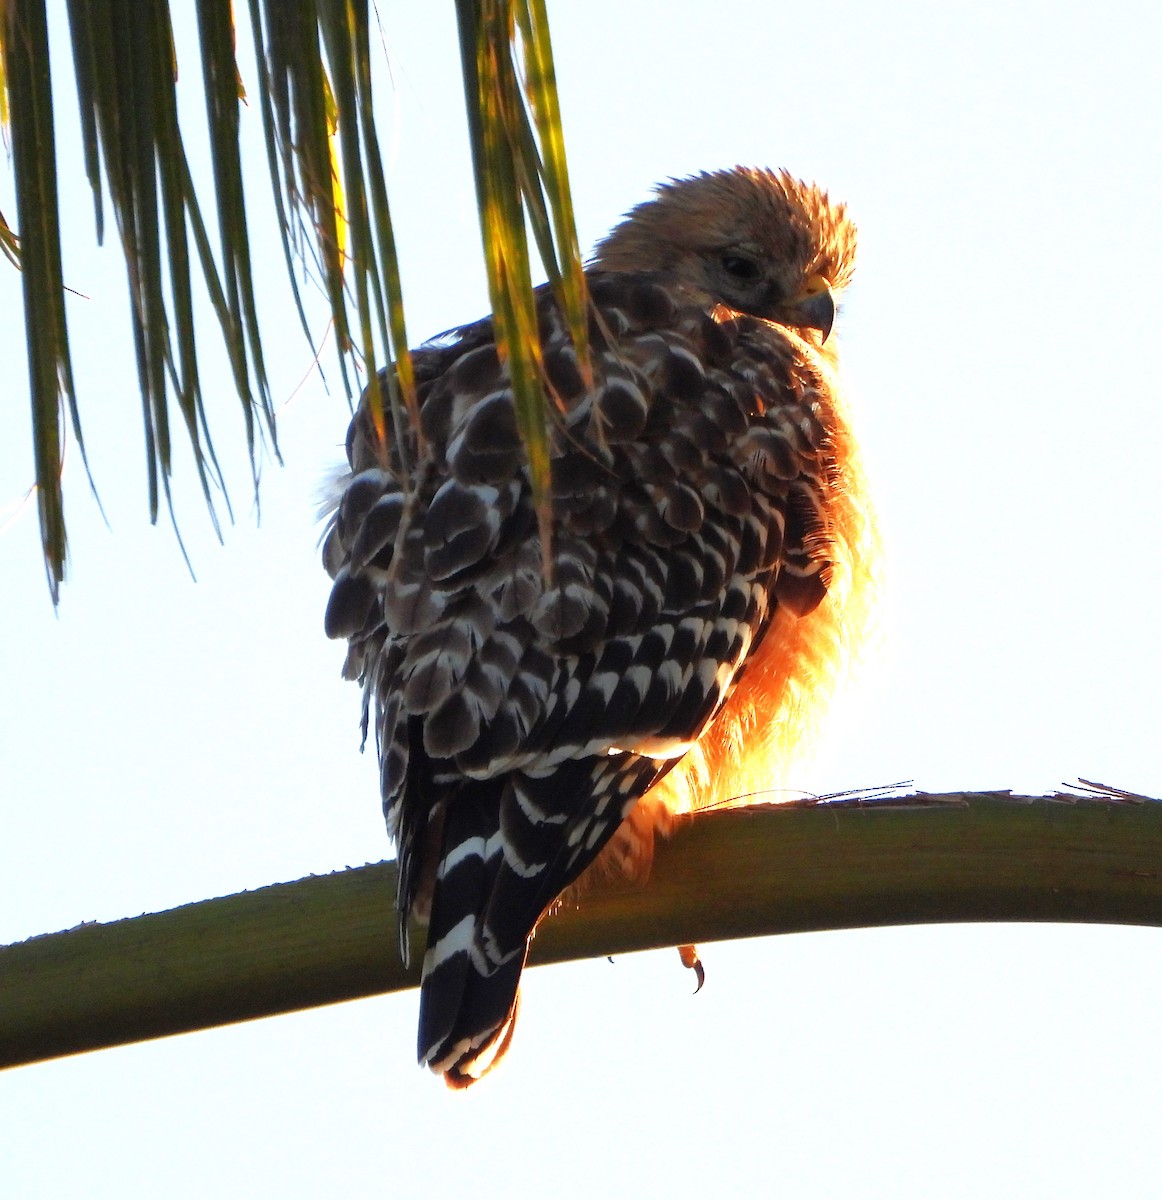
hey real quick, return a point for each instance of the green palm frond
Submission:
(9, 242)
(313, 89)
(514, 177)
(24, 63)
(125, 74)
(565, 271)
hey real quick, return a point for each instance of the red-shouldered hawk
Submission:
(710, 542)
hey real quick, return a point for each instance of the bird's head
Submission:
(753, 241)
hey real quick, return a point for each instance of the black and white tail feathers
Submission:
(508, 848)
(467, 998)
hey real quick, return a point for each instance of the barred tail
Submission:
(468, 989)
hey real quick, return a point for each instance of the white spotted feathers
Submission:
(703, 495)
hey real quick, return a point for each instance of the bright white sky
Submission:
(163, 741)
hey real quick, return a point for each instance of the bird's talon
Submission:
(690, 960)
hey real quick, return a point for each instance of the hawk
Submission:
(711, 545)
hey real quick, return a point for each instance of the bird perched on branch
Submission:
(712, 549)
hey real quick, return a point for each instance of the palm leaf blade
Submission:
(24, 48)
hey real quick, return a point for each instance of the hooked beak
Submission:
(812, 308)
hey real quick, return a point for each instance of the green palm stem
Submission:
(738, 873)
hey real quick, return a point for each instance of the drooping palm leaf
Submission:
(223, 89)
(512, 178)
(9, 242)
(313, 83)
(566, 274)
(123, 57)
(345, 33)
(24, 62)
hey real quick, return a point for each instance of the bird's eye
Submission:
(739, 267)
